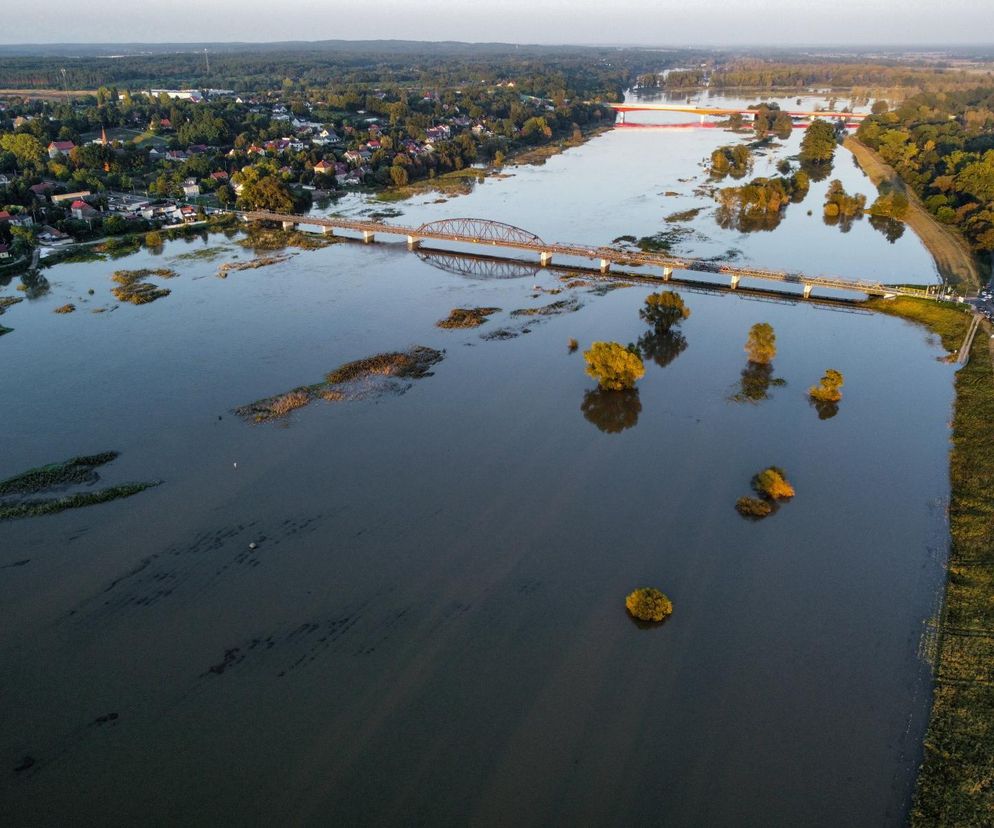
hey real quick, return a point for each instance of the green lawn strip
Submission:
(956, 780)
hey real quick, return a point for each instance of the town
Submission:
(121, 163)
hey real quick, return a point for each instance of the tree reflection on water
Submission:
(756, 381)
(612, 411)
(662, 347)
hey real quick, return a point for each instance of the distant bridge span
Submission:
(726, 111)
(482, 232)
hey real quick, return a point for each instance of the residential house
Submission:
(324, 167)
(82, 211)
(50, 237)
(220, 176)
(4, 251)
(191, 188)
(58, 148)
(41, 191)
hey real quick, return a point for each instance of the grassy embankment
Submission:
(956, 780)
(952, 255)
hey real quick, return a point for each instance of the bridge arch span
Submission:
(480, 229)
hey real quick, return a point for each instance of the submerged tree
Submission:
(827, 389)
(649, 604)
(612, 411)
(772, 483)
(614, 366)
(761, 345)
(664, 309)
(818, 144)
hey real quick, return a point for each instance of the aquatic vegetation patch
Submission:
(251, 264)
(684, 215)
(69, 307)
(206, 254)
(466, 317)
(16, 493)
(649, 604)
(133, 287)
(360, 379)
(754, 507)
(4, 330)
(501, 334)
(271, 238)
(9, 301)
(37, 508)
(554, 309)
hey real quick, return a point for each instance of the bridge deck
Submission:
(606, 254)
(716, 110)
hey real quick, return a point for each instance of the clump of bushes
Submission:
(840, 206)
(153, 239)
(649, 604)
(827, 389)
(754, 507)
(615, 367)
(69, 307)
(772, 482)
(771, 486)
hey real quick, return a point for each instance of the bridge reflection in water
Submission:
(490, 234)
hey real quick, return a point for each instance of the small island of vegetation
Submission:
(649, 604)
(615, 367)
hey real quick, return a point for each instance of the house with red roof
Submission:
(57, 148)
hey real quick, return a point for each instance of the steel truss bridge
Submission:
(725, 111)
(490, 234)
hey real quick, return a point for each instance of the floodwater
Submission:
(430, 628)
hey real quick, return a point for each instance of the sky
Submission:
(635, 22)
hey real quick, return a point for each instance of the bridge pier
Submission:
(544, 258)
(368, 236)
(807, 291)
(413, 243)
(289, 225)
(328, 230)
(667, 272)
(605, 265)
(735, 281)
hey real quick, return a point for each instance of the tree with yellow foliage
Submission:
(614, 366)
(649, 604)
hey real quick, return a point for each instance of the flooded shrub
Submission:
(664, 309)
(69, 307)
(827, 389)
(754, 507)
(761, 344)
(649, 604)
(614, 366)
(572, 345)
(772, 482)
(153, 239)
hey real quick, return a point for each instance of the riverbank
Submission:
(955, 780)
(953, 258)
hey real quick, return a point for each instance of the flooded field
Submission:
(403, 602)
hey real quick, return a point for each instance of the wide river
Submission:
(409, 608)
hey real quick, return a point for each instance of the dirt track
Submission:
(950, 251)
